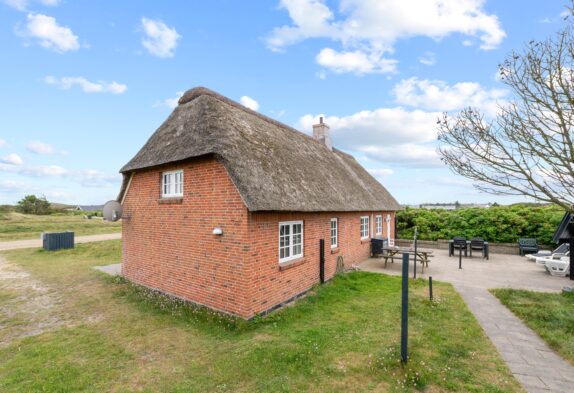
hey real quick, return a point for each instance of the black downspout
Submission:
(322, 260)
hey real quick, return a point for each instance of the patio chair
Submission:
(527, 246)
(559, 268)
(459, 243)
(554, 257)
(561, 249)
(477, 244)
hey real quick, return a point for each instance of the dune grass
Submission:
(17, 226)
(343, 337)
(551, 315)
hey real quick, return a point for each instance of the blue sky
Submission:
(84, 83)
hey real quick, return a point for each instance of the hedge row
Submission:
(498, 224)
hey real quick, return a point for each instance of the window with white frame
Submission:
(364, 227)
(290, 240)
(172, 184)
(379, 225)
(334, 232)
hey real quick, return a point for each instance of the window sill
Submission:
(365, 240)
(290, 264)
(335, 250)
(170, 201)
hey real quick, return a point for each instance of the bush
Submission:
(31, 204)
(497, 224)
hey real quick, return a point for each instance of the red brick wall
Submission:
(272, 282)
(170, 247)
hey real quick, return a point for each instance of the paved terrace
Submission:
(533, 363)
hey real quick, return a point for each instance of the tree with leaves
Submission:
(528, 149)
(31, 204)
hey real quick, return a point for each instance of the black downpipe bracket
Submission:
(322, 260)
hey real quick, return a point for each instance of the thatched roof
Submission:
(274, 167)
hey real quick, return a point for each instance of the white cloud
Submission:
(160, 40)
(428, 59)
(356, 61)
(369, 29)
(12, 159)
(249, 103)
(440, 96)
(43, 171)
(87, 86)
(40, 147)
(394, 136)
(381, 172)
(13, 186)
(85, 177)
(379, 127)
(2, 142)
(170, 102)
(405, 155)
(50, 34)
(22, 5)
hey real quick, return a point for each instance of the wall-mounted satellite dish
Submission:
(112, 211)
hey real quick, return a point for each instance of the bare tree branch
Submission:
(528, 149)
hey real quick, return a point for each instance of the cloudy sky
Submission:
(84, 84)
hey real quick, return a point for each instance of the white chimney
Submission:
(322, 134)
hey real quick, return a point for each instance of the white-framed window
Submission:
(379, 225)
(334, 232)
(172, 184)
(364, 227)
(290, 240)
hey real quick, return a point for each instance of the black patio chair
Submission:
(477, 244)
(459, 243)
(527, 246)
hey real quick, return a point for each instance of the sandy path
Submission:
(27, 306)
(32, 243)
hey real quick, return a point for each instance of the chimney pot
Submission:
(322, 134)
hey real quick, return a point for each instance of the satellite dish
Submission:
(112, 211)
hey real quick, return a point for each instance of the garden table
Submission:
(422, 255)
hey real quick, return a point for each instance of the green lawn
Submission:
(16, 226)
(109, 335)
(551, 315)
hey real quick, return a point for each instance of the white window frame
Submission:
(290, 247)
(364, 227)
(379, 225)
(174, 188)
(334, 232)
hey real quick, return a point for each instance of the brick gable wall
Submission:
(168, 244)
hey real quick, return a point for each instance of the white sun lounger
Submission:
(554, 257)
(561, 249)
(560, 268)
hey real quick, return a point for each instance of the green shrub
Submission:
(497, 224)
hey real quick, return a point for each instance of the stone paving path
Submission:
(32, 243)
(537, 367)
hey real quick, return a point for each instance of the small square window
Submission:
(290, 240)
(172, 184)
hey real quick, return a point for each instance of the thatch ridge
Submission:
(274, 166)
